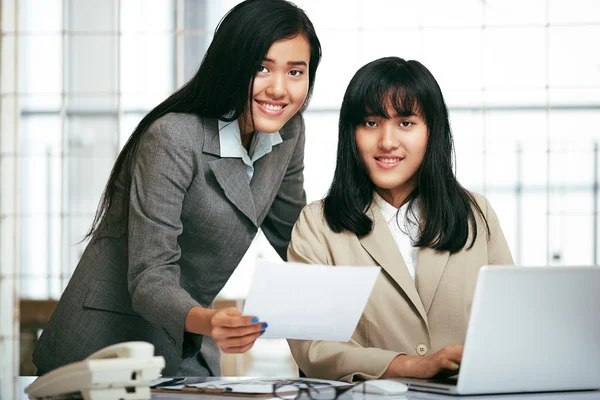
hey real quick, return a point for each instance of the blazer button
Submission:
(421, 349)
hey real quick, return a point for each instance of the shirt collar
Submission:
(230, 141)
(389, 211)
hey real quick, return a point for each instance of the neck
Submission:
(245, 134)
(396, 197)
(247, 140)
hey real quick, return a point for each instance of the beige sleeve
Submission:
(321, 359)
(498, 250)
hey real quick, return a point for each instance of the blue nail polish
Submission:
(264, 325)
(261, 332)
(254, 320)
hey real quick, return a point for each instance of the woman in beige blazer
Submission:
(395, 203)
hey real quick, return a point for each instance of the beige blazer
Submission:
(401, 316)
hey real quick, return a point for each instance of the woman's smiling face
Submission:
(280, 86)
(392, 150)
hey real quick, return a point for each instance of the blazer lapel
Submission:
(268, 174)
(229, 172)
(430, 267)
(380, 244)
(211, 137)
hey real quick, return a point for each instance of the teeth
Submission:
(271, 106)
(389, 160)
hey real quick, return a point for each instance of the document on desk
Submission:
(248, 388)
(309, 301)
(261, 385)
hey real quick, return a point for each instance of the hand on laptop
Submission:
(443, 363)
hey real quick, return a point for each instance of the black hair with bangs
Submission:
(445, 207)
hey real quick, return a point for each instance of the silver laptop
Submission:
(531, 329)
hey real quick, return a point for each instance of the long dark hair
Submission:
(445, 207)
(220, 87)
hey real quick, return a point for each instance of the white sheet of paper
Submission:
(309, 301)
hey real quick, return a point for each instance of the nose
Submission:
(277, 87)
(390, 140)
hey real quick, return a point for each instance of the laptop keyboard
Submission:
(452, 380)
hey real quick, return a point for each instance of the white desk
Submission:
(13, 388)
(595, 395)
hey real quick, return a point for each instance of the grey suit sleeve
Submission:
(289, 201)
(162, 172)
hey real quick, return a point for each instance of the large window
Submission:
(521, 79)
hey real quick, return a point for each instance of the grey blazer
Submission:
(177, 228)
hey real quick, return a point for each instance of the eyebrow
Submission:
(288, 63)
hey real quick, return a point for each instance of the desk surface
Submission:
(13, 388)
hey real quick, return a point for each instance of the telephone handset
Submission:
(120, 371)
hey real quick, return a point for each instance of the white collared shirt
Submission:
(230, 141)
(404, 232)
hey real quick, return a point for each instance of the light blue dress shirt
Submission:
(230, 141)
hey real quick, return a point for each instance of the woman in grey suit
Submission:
(202, 172)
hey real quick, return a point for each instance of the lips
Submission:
(271, 108)
(275, 106)
(388, 162)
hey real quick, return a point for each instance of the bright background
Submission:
(521, 79)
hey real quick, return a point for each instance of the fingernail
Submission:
(261, 332)
(254, 320)
(264, 325)
(454, 366)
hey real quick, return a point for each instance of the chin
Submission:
(269, 127)
(388, 185)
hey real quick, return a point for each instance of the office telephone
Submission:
(121, 371)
